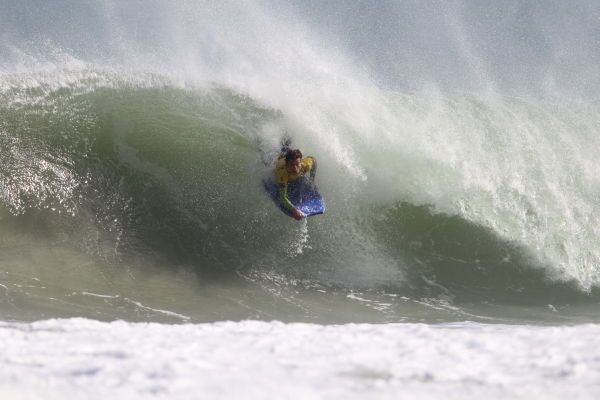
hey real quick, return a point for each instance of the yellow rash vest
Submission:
(308, 164)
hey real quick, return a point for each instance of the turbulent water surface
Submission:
(132, 148)
(457, 145)
(131, 166)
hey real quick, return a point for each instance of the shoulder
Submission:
(280, 164)
(308, 162)
(281, 172)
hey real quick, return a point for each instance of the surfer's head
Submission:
(293, 161)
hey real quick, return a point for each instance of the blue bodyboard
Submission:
(302, 193)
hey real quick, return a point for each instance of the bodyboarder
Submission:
(290, 167)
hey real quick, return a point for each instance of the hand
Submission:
(297, 214)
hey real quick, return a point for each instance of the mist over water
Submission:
(456, 145)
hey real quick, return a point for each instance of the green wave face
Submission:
(129, 198)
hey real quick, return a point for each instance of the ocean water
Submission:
(457, 147)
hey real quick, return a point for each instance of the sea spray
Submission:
(299, 239)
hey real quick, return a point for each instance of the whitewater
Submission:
(84, 359)
(140, 256)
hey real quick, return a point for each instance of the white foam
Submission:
(85, 359)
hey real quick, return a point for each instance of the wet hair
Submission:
(292, 155)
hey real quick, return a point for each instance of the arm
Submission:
(313, 169)
(287, 204)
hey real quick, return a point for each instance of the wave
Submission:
(145, 171)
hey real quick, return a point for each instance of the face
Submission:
(294, 167)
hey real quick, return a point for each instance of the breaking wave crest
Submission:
(465, 199)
